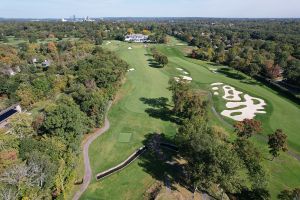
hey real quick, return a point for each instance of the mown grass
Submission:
(128, 115)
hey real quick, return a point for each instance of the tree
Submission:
(163, 60)
(253, 69)
(289, 194)
(277, 142)
(21, 125)
(209, 161)
(252, 159)
(26, 94)
(272, 70)
(247, 128)
(66, 120)
(179, 90)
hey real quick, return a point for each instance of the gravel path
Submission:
(87, 166)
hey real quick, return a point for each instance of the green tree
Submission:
(277, 142)
(21, 125)
(290, 194)
(66, 120)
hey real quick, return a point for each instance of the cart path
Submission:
(87, 166)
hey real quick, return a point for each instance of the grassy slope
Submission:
(282, 113)
(128, 115)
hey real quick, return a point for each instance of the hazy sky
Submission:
(149, 8)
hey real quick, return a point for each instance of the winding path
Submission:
(87, 166)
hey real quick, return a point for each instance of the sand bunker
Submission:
(187, 78)
(216, 84)
(183, 78)
(180, 69)
(186, 73)
(237, 109)
(129, 48)
(130, 70)
(252, 106)
(231, 94)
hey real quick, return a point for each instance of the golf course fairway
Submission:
(146, 83)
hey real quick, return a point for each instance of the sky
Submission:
(150, 8)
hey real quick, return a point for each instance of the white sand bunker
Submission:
(231, 94)
(186, 73)
(187, 78)
(108, 43)
(180, 69)
(129, 48)
(213, 70)
(252, 106)
(237, 109)
(216, 84)
(130, 70)
(183, 78)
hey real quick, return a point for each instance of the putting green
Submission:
(125, 137)
(129, 113)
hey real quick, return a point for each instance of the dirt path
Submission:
(87, 166)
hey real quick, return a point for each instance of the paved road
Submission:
(87, 166)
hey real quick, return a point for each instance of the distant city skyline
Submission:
(150, 8)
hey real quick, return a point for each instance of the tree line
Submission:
(269, 48)
(65, 100)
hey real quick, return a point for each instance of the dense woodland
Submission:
(65, 100)
(270, 48)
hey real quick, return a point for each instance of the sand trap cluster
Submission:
(130, 70)
(239, 110)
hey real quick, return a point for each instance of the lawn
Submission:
(144, 85)
(128, 116)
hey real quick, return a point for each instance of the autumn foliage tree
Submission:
(247, 128)
(272, 70)
(277, 142)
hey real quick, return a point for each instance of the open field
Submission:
(145, 83)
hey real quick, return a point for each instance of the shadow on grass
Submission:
(252, 82)
(160, 109)
(227, 72)
(153, 63)
(161, 163)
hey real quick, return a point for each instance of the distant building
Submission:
(137, 38)
(87, 19)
